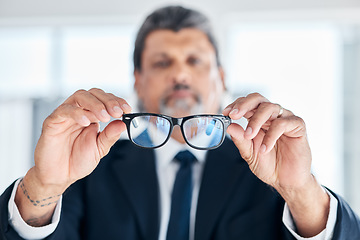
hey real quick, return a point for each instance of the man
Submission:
(134, 193)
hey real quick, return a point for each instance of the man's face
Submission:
(179, 75)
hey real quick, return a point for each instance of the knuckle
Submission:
(95, 90)
(80, 92)
(62, 106)
(112, 102)
(229, 106)
(266, 105)
(112, 95)
(254, 95)
(280, 123)
(98, 108)
(250, 95)
(121, 100)
(75, 96)
(53, 116)
(239, 99)
(299, 120)
(78, 111)
(58, 110)
(275, 106)
(255, 121)
(47, 121)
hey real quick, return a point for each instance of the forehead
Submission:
(188, 39)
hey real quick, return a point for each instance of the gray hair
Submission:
(173, 18)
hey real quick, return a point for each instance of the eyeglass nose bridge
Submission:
(176, 121)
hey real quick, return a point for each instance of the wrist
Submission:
(309, 205)
(309, 193)
(40, 187)
(36, 202)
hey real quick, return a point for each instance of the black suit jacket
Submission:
(120, 200)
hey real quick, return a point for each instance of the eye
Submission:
(194, 61)
(162, 64)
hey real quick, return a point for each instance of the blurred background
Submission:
(302, 54)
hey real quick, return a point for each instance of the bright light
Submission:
(98, 57)
(299, 67)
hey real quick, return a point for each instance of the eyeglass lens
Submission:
(200, 132)
(149, 131)
(203, 132)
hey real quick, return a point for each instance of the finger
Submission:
(86, 147)
(73, 113)
(229, 107)
(242, 106)
(88, 137)
(265, 112)
(244, 145)
(292, 126)
(88, 101)
(115, 106)
(109, 136)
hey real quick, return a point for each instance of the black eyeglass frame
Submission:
(225, 121)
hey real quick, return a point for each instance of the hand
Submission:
(278, 153)
(70, 146)
(276, 148)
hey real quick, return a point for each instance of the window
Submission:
(299, 66)
(98, 57)
(41, 65)
(25, 61)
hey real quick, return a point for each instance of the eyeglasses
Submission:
(150, 130)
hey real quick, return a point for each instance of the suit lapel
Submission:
(221, 172)
(136, 172)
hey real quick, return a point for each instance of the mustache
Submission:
(180, 86)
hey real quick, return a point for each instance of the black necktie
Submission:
(179, 223)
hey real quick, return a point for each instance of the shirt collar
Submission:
(167, 153)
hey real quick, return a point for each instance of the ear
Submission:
(222, 77)
(138, 82)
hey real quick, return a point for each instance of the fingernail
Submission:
(104, 114)
(248, 131)
(126, 107)
(234, 112)
(85, 121)
(117, 109)
(262, 148)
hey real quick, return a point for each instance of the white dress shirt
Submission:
(166, 172)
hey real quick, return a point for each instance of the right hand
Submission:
(71, 146)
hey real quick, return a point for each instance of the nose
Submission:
(180, 74)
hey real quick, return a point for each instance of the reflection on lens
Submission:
(149, 131)
(210, 127)
(203, 132)
(135, 123)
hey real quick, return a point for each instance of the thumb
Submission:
(109, 136)
(244, 145)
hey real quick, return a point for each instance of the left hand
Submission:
(278, 153)
(275, 147)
